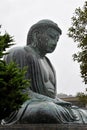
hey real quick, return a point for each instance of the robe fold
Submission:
(42, 107)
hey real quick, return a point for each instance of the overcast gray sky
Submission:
(17, 16)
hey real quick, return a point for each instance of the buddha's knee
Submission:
(41, 112)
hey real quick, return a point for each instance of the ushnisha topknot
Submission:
(41, 25)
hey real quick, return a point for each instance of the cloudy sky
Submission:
(17, 16)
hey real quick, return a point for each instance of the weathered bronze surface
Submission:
(43, 105)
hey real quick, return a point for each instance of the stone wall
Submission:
(45, 127)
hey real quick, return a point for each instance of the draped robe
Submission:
(43, 106)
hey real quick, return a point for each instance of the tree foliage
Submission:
(12, 81)
(82, 98)
(78, 32)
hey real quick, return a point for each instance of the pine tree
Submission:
(12, 81)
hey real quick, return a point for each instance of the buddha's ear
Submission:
(37, 36)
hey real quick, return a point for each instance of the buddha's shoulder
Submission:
(20, 50)
(24, 51)
(17, 49)
(17, 52)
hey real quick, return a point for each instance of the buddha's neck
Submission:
(38, 51)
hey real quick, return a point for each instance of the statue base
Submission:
(45, 127)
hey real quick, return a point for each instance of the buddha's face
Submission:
(48, 40)
(52, 37)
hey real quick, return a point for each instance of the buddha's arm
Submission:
(40, 97)
(19, 56)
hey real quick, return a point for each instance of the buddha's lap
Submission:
(44, 112)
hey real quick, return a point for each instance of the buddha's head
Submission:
(44, 36)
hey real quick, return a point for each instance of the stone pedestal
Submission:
(45, 127)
